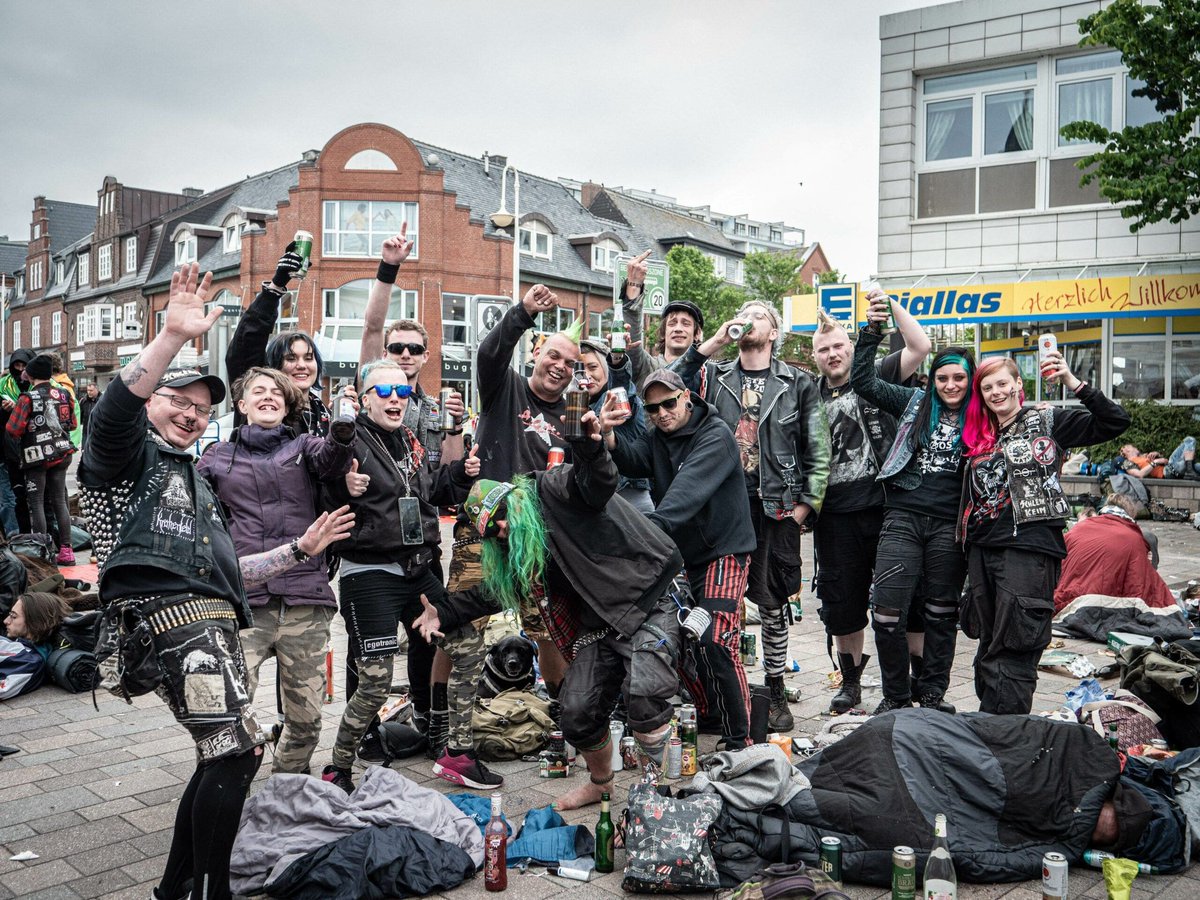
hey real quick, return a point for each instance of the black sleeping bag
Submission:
(1012, 789)
(73, 670)
(376, 862)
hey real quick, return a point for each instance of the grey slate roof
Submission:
(666, 226)
(479, 191)
(12, 256)
(265, 191)
(68, 222)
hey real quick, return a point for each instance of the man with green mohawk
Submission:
(601, 575)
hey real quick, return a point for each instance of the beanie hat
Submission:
(40, 368)
(483, 501)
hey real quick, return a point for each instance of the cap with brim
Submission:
(595, 344)
(666, 378)
(686, 306)
(485, 498)
(178, 378)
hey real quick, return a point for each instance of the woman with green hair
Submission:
(920, 566)
(602, 576)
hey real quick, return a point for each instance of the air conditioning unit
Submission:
(131, 331)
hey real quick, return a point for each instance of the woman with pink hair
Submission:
(1013, 518)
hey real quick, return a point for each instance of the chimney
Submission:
(487, 168)
(588, 192)
(192, 192)
(310, 156)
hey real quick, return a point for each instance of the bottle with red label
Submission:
(495, 850)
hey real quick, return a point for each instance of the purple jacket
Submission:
(266, 477)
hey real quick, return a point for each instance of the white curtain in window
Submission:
(1017, 109)
(1085, 101)
(938, 124)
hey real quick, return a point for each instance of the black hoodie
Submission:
(699, 488)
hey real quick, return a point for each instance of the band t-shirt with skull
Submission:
(940, 464)
(754, 383)
(991, 522)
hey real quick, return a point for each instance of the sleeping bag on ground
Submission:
(1012, 787)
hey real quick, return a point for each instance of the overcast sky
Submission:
(769, 109)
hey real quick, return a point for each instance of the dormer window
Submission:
(185, 249)
(604, 255)
(232, 228)
(536, 239)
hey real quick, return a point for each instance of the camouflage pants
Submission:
(374, 682)
(296, 636)
(465, 646)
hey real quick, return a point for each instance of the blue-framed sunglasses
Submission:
(385, 390)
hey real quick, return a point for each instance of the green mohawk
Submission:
(574, 331)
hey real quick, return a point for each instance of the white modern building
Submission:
(981, 216)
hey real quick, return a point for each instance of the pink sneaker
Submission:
(467, 770)
(66, 556)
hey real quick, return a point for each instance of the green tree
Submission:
(1155, 167)
(772, 276)
(692, 277)
(833, 276)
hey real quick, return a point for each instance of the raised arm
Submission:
(248, 346)
(395, 251)
(1101, 419)
(891, 398)
(494, 356)
(916, 342)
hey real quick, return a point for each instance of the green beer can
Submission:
(304, 242)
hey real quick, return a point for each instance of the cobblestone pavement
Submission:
(94, 792)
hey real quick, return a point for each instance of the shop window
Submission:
(1138, 368)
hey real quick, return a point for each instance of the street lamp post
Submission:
(502, 218)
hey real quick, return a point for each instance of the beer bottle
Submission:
(576, 400)
(940, 881)
(495, 850)
(605, 837)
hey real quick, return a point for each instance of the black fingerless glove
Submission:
(289, 264)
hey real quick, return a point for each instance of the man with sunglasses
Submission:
(700, 500)
(779, 424)
(406, 342)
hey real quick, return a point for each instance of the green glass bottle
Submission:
(605, 837)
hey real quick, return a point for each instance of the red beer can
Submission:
(556, 457)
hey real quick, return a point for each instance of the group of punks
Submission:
(629, 563)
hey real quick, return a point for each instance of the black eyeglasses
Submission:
(669, 404)
(180, 402)
(385, 390)
(399, 347)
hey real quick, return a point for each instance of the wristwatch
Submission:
(299, 554)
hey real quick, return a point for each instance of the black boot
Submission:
(438, 734)
(850, 694)
(928, 697)
(780, 716)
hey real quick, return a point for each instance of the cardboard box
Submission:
(1118, 639)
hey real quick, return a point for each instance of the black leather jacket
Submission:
(793, 436)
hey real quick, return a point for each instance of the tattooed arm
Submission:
(328, 527)
(186, 320)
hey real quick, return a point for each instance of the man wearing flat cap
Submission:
(171, 583)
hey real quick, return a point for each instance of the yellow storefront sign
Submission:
(1082, 298)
